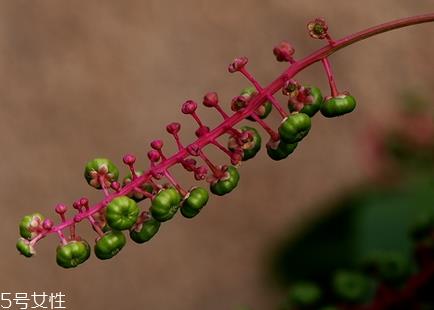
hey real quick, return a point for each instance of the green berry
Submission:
(226, 183)
(312, 108)
(134, 194)
(337, 106)
(143, 232)
(250, 148)
(305, 294)
(122, 213)
(165, 204)
(110, 244)
(280, 150)
(264, 110)
(24, 247)
(100, 168)
(350, 286)
(294, 128)
(196, 200)
(72, 254)
(29, 224)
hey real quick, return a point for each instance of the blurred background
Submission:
(86, 79)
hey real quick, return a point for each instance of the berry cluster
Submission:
(119, 210)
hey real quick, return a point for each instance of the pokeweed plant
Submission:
(118, 211)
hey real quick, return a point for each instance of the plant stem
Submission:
(258, 100)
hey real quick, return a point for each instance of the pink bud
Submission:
(129, 159)
(76, 205)
(238, 64)
(47, 224)
(203, 130)
(153, 156)
(283, 51)
(173, 128)
(236, 157)
(189, 164)
(189, 107)
(115, 185)
(84, 201)
(61, 209)
(193, 149)
(210, 100)
(200, 173)
(157, 144)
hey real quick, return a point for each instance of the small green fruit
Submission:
(337, 106)
(226, 183)
(24, 247)
(110, 244)
(165, 204)
(294, 128)
(196, 200)
(279, 150)
(122, 213)
(145, 231)
(72, 254)
(100, 168)
(29, 224)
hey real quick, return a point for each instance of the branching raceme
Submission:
(119, 210)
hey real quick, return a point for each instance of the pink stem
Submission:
(133, 172)
(197, 119)
(251, 78)
(272, 88)
(222, 148)
(215, 171)
(61, 237)
(72, 230)
(259, 88)
(95, 226)
(274, 135)
(277, 105)
(330, 77)
(102, 183)
(222, 113)
(145, 193)
(175, 183)
(178, 141)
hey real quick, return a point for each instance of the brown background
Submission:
(81, 79)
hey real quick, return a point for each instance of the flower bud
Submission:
(238, 64)
(210, 100)
(157, 144)
(153, 156)
(189, 107)
(129, 159)
(283, 51)
(173, 128)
